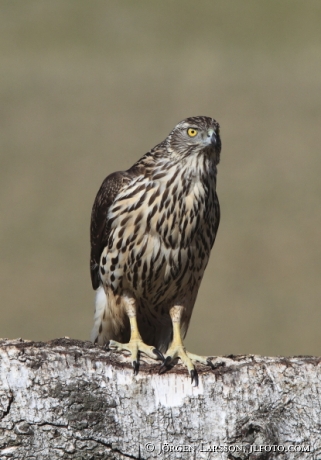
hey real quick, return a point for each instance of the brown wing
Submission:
(217, 216)
(99, 227)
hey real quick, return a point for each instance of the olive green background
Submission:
(87, 87)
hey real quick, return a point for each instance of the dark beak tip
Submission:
(214, 139)
(216, 142)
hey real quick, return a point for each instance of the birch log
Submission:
(67, 399)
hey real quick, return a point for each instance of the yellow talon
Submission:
(135, 346)
(177, 349)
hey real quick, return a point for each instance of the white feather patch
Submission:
(100, 308)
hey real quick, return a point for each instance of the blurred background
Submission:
(88, 87)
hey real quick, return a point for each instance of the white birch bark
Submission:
(68, 399)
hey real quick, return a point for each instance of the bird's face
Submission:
(195, 135)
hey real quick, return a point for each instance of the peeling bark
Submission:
(67, 399)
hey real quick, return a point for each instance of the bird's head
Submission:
(195, 135)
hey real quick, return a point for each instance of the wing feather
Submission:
(99, 227)
(218, 217)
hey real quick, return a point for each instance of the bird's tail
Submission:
(100, 313)
(110, 321)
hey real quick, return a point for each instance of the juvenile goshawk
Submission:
(152, 230)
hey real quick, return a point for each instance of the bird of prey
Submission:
(152, 230)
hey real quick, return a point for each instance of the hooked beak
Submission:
(214, 140)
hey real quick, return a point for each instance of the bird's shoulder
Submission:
(109, 189)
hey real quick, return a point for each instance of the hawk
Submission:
(152, 230)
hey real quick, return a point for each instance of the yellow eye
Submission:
(192, 132)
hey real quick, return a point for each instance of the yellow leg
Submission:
(178, 350)
(136, 344)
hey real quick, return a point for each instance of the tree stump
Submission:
(68, 399)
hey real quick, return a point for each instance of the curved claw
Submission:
(194, 377)
(165, 364)
(159, 354)
(136, 367)
(106, 346)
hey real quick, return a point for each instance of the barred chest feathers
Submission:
(162, 228)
